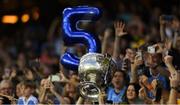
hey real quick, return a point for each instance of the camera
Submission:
(140, 55)
(151, 49)
(54, 78)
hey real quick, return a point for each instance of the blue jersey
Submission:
(115, 97)
(30, 101)
(163, 82)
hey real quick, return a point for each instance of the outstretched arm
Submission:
(119, 32)
(80, 101)
(60, 98)
(162, 28)
(174, 80)
(107, 35)
(101, 98)
(168, 61)
(134, 66)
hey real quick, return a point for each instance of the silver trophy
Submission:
(95, 73)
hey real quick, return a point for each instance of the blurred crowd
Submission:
(142, 41)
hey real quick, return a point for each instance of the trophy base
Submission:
(89, 90)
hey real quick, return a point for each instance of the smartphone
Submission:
(54, 78)
(125, 65)
(151, 50)
(140, 55)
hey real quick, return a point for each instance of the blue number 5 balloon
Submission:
(74, 35)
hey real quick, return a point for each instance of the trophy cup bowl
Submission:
(94, 70)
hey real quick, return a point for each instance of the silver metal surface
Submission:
(94, 70)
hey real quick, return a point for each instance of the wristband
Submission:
(175, 88)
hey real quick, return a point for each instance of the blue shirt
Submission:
(161, 79)
(56, 101)
(115, 97)
(30, 101)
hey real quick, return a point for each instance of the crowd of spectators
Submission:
(143, 43)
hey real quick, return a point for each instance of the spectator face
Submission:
(131, 94)
(21, 60)
(117, 80)
(19, 90)
(6, 88)
(74, 79)
(130, 54)
(27, 92)
(70, 88)
(152, 60)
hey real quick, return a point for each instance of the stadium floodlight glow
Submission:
(9, 19)
(25, 18)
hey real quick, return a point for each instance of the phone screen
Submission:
(140, 55)
(54, 78)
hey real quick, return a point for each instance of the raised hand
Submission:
(161, 21)
(137, 61)
(174, 79)
(119, 28)
(108, 32)
(63, 77)
(168, 59)
(174, 83)
(102, 96)
(159, 48)
(154, 83)
(144, 81)
(175, 24)
(46, 84)
(52, 88)
(130, 55)
(142, 93)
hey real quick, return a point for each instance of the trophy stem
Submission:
(92, 77)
